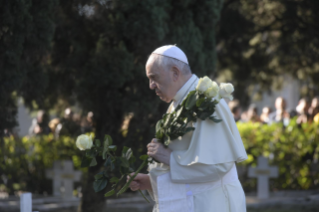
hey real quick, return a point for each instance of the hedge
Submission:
(294, 149)
(24, 162)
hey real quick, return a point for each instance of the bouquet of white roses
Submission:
(199, 103)
(115, 169)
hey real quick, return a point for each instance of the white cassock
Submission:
(202, 175)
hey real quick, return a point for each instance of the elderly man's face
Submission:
(161, 81)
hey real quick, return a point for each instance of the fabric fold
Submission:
(211, 143)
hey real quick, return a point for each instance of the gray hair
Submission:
(167, 63)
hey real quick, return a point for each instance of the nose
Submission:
(152, 85)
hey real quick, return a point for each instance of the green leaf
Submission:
(144, 157)
(90, 153)
(179, 111)
(199, 102)
(93, 162)
(113, 148)
(110, 193)
(167, 119)
(189, 94)
(214, 119)
(98, 176)
(124, 150)
(108, 139)
(204, 105)
(97, 142)
(190, 102)
(159, 135)
(204, 115)
(132, 160)
(114, 180)
(99, 185)
(86, 161)
(158, 125)
(188, 129)
(105, 149)
(127, 152)
(124, 162)
(109, 163)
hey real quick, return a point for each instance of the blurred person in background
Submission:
(87, 124)
(53, 124)
(235, 109)
(280, 115)
(314, 108)
(76, 119)
(67, 125)
(252, 114)
(244, 116)
(264, 117)
(39, 125)
(302, 110)
(7, 133)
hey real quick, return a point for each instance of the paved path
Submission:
(295, 201)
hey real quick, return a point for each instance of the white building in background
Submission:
(290, 92)
(24, 119)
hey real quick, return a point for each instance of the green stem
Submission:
(125, 187)
(143, 195)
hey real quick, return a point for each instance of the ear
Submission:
(176, 73)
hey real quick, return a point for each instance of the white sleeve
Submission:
(197, 173)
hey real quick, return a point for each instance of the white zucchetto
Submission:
(172, 52)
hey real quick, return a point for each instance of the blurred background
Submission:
(78, 66)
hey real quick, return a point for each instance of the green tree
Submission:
(259, 41)
(26, 30)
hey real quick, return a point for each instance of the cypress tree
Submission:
(26, 30)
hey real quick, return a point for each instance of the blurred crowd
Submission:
(307, 111)
(71, 124)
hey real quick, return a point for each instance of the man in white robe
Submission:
(196, 173)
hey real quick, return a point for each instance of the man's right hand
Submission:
(141, 181)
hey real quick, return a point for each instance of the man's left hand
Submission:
(157, 151)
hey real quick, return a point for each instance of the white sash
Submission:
(173, 197)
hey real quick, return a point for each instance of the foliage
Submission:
(261, 41)
(195, 106)
(25, 160)
(294, 149)
(26, 30)
(116, 168)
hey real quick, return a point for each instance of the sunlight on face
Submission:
(161, 81)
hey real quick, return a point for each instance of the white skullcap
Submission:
(172, 52)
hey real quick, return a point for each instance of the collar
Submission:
(185, 88)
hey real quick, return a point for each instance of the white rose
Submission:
(84, 142)
(212, 91)
(203, 84)
(226, 89)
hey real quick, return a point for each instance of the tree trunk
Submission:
(91, 201)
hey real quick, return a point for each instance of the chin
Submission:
(165, 100)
